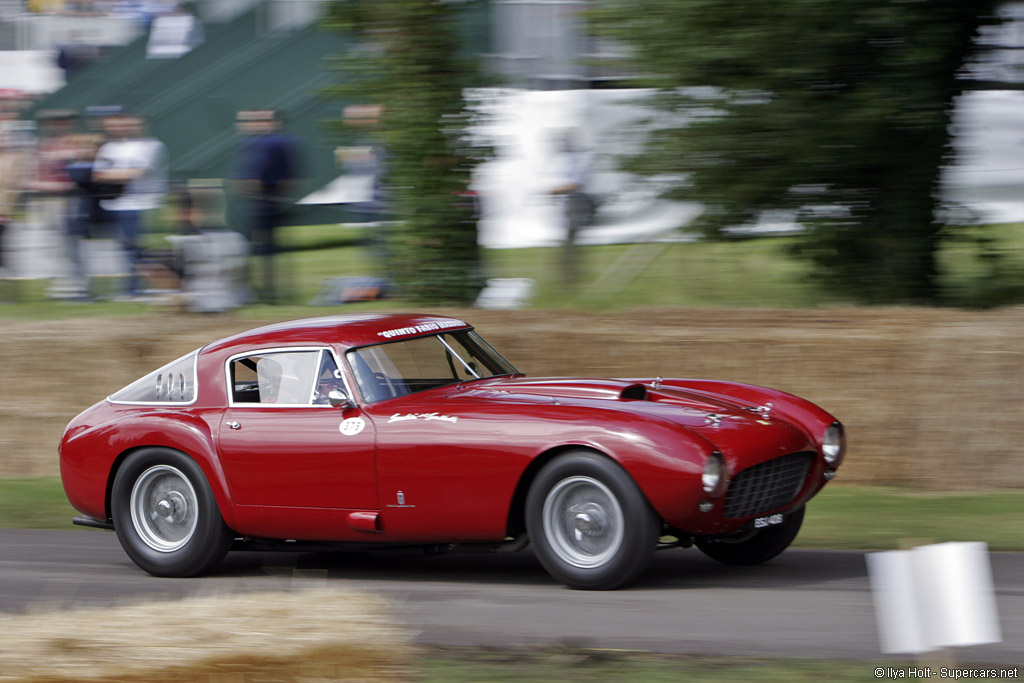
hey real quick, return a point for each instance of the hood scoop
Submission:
(634, 392)
(556, 387)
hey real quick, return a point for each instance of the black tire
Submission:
(165, 515)
(590, 525)
(762, 546)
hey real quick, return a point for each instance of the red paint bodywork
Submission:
(288, 473)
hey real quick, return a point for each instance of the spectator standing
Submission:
(51, 200)
(56, 149)
(15, 162)
(75, 54)
(367, 162)
(86, 218)
(572, 169)
(266, 171)
(51, 188)
(135, 167)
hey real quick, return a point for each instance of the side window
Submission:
(277, 378)
(327, 379)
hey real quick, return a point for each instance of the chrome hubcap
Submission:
(583, 521)
(164, 508)
(174, 508)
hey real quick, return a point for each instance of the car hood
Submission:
(724, 420)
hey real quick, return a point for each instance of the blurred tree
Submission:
(409, 63)
(835, 110)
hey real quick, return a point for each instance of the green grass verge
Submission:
(839, 517)
(738, 274)
(757, 272)
(980, 266)
(34, 503)
(571, 664)
(885, 518)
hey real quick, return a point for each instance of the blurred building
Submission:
(988, 176)
(563, 78)
(555, 78)
(544, 45)
(271, 53)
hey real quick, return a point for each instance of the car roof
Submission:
(346, 330)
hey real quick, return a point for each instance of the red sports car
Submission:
(354, 430)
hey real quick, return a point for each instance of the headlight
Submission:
(833, 444)
(714, 474)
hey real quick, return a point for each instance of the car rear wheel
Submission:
(590, 525)
(761, 546)
(166, 516)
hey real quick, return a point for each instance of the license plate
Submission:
(768, 520)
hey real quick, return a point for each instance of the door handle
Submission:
(234, 425)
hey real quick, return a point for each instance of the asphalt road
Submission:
(805, 603)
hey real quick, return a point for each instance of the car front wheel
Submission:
(761, 546)
(590, 525)
(166, 516)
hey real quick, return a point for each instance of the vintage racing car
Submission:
(354, 430)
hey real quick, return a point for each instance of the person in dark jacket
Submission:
(265, 174)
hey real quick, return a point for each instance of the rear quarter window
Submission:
(174, 383)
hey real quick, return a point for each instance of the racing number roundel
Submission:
(352, 426)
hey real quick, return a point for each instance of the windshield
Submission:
(399, 368)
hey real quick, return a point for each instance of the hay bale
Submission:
(305, 635)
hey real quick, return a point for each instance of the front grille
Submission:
(767, 486)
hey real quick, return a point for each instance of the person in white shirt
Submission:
(134, 169)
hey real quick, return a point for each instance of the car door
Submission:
(284, 445)
(446, 463)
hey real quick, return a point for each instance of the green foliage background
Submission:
(410, 63)
(808, 103)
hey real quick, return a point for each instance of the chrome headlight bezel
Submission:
(833, 444)
(713, 478)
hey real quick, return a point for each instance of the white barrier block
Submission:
(959, 605)
(897, 614)
(933, 596)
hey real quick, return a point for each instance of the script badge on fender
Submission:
(352, 426)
